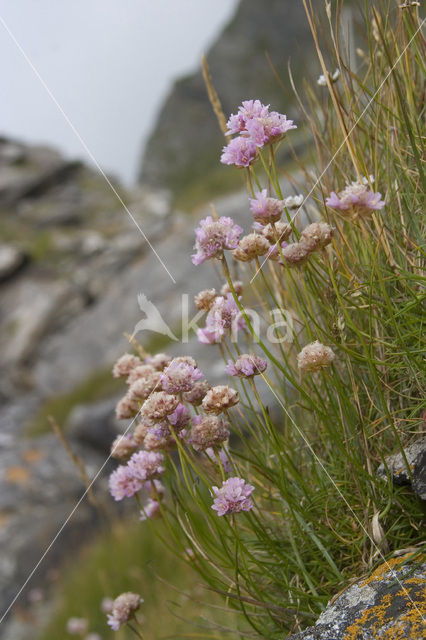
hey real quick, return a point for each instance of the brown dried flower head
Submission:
(314, 357)
(317, 236)
(159, 361)
(204, 300)
(250, 247)
(219, 399)
(210, 431)
(126, 408)
(123, 447)
(238, 287)
(141, 371)
(281, 232)
(186, 360)
(159, 405)
(143, 387)
(124, 365)
(295, 255)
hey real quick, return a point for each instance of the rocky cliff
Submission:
(258, 43)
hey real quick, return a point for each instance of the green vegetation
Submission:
(131, 558)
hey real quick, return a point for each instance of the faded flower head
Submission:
(141, 388)
(213, 237)
(123, 447)
(246, 366)
(77, 626)
(209, 431)
(315, 356)
(317, 236)
(146, 465)
(356, 199)
(219, 399)
(197, 393)
(141, 429)
(123, 483)
(180, 377)
(265, 209)
(151, 510)
(159, 361)
(250, 247)
(281, 232)
(204, 299)
(293, 202)
(159, 405)
(141, 371)
(126, 408)
(124, 365)
(123, 609)
(241, 152)
(232, 497)
(226, 289)
(295, 255)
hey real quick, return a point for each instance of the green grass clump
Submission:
(131, 558)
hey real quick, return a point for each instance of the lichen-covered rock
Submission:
(389, 605)
(416, 458)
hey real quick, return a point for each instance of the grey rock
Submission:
(11, 261)
(388, 604)
(94, 424)
(416, 458)
(186, 141)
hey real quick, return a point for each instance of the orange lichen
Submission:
(408, 625)
(392, 563)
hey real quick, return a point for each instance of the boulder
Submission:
(388, 604)
(415, 454)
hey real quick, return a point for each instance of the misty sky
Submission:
(108, 63)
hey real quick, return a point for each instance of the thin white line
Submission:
(345, 138)
(70, 515)
(84, 145)
(339, 492)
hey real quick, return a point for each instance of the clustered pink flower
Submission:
(224, 316)
(179, 377)
(128, 479)
(246, 366)
(256, 127)
(197, 393)
(264, 209)
(123, 609)
(180, 417)
(241, 152)
(213, 236)
(356, 199)
(232, 497)
(151, 510)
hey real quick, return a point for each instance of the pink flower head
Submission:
(213, 236)
(124, 365)
(232, 497)
(241, 152)
(246, 366)
(224, 315)
(179, 377)
(265, 209)
(268, 128)
(146, 465)
(356, 199)
(180, 417)
(123, 483)
(249, 109)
